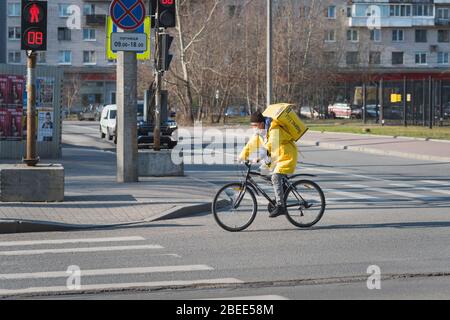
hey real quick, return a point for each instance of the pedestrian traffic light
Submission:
(34, 25)
(165, 41)
(167, 13)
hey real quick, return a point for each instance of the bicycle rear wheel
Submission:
(234, 207)
(305, 203)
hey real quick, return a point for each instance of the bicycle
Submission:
(235, 207)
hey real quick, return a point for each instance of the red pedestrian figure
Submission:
(34, 13)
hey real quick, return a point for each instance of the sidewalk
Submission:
(412, 148)
(93, 198)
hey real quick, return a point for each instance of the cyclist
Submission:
(279, 152)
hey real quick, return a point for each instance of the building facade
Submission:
(76, 43)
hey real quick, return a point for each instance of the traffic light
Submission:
(34, 25)
(166, 13)
(165, 41)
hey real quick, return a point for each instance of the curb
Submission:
(414, 156)
(382, 136)
(8, 226)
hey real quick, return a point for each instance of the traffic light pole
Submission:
(31, 158)
(158, 80)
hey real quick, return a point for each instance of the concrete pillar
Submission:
(127, 149)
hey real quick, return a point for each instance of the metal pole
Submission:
(364, 103)
(158, 80)
(380, 99)
(423, 102)
(441, 100)
(31, 158)
(269, 53)
(430, 101)
(404, 103)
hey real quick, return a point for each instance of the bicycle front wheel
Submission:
(234, 207)
(305, 203)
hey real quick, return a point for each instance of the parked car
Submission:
(236, 111)
(340, 110)
(145, 138)
(90, 113)
(108, 123)
(372, 111)
(308, 112)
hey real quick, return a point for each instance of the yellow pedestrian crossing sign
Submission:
(111, 27)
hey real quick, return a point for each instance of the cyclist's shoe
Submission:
(278, 211)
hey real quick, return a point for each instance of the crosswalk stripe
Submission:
(348, 194)
(442, 183)
(76, 250)
(390, 191)
(103, 272)
(118, 286)
(65, 241)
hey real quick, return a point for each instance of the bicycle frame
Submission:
(249, 182)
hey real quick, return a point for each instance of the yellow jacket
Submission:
(281, 148)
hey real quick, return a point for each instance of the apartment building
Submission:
(76, 43)
(2, 34)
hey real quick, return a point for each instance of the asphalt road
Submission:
(387, 212)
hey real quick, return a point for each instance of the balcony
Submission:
(95, 19)
(386, 22)
(442, 22)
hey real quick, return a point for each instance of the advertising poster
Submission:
(45, 125)
(4, 96)
(16, 89)
(15, 124)
(44, 92)
(4, 127)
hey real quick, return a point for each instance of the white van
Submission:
(108, 122)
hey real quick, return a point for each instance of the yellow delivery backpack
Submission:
(284, 114)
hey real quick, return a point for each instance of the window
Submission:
(89, 34)
(63, 10)
(41, 57)
(64, 34)
(443, 36)
(88, 9)
(397, 35)
(331, 12)
(421, 35)
(375, 57)
(375, 35)
(14, 33)
(397, 57)
(14, 9)
(423, 10)
(421, 58)
(442, 13)
(352, 35)
(442, 58)
(351, 57)
(330, 36)
(65, 57)
(399, 10)
(14, 57)
(305, 12)
(89, 57)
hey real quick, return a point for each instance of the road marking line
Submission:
(104, 272)
(118, 286)
(390, 191)
(77, 250)
(353, 195)
(266, 297)
(442, 183)
(442, 191)
(64, 241)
